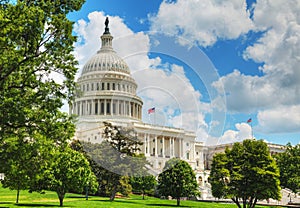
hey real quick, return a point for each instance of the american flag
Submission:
(151, 110)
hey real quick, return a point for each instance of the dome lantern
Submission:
(106, 38)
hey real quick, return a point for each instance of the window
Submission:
(188, 155)
(114, 86)
(96, 108)
(102, 87)
(102, 108)
(92, 87)
(108, 86)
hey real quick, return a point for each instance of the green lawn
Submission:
(49, 199)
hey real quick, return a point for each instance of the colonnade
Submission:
(108, 107)
(163, 146)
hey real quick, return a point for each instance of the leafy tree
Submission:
(247, 172)
(143, 183)
(289, 166)
(69, 170)
(177, 180)
(36, 47)
(22, 161)
(119, 157)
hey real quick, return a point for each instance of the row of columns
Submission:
(97, 86)
(107, 107)
(169, 152)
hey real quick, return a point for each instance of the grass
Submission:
(49, 199)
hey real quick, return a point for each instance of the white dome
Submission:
(106, 90)
(105, 60)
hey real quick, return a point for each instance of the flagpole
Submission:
(250, 121)
(252, 131)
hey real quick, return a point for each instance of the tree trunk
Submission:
(236, 201)
(244, 202)
(143, 194)
(18, 194)
(254, 203)
(61, 197)
(113, 193)
(178, 201)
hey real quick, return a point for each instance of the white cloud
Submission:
(276, 94)
(243, 131)
(276, 120)
(203, 21)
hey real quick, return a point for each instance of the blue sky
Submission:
(209, 65)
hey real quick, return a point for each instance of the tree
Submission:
(22, 161)
(177, 180)
(36, 47)
(289, 166)
(247, 172)
(143, 183)
(119, 157)
(69, 170)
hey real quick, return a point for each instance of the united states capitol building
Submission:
(108, 93)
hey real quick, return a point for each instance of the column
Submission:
(155, 138)
(145, 144)
(105, 107)
(129, 109)
(173, 147)
(163, 146)
(124, 107)
(111, 107)
(86, 108)
(117, 107)
(170, 147)
(93, 107)
(180, 147)
(149, 146)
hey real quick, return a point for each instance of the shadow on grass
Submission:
(36, 205)
(5, 203)
(76, 197)
(164, 205)
(116, 201)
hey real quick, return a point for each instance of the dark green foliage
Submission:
(177, 180)
(115, 159)
(69, 170)
(247, 172)
(23, 161)
(36, 45)
(289, 165)
(144, 183)
(37, 70)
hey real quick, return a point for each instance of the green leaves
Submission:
(36, 45)
(247, 171)
(177, 180)
(289, 165)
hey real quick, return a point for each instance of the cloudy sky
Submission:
(206, 65)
